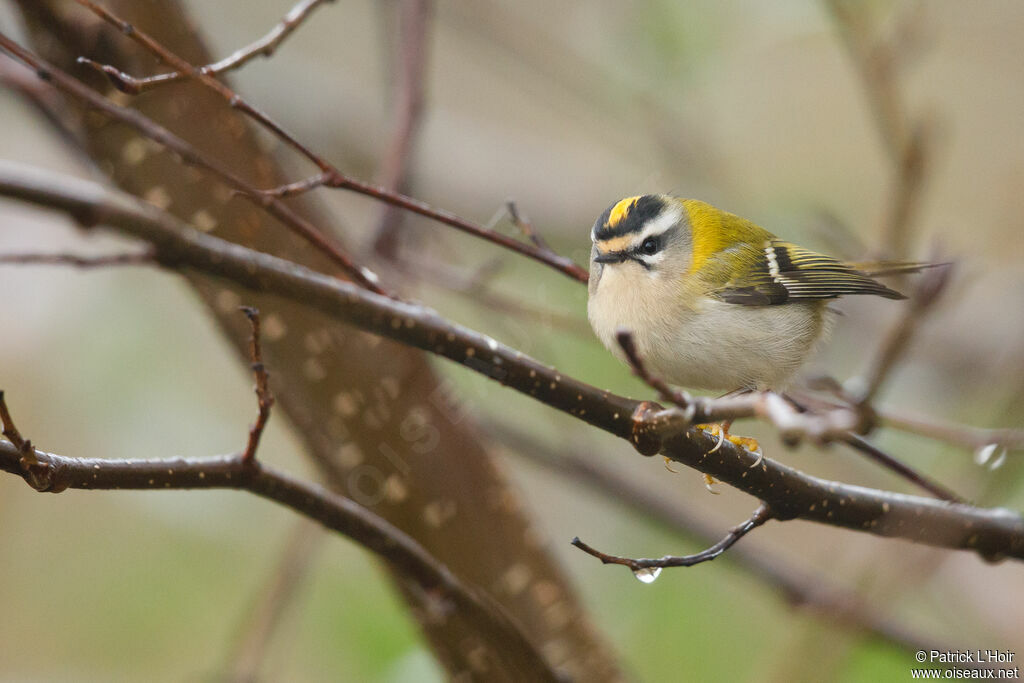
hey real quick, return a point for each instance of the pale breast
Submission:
(716, 346)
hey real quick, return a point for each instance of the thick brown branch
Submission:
(790, 494)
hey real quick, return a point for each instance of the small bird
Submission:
(712, 300)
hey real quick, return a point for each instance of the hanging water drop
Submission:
(985, 453)
(647, 574)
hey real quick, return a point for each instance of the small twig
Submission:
(264, 398)
(642, 567)
(145, 258)
(10, 431)
(339, 181)
(794, 583)
(264, 47)
(636, 363)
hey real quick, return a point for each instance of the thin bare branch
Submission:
(525, 225)
(933, 282)
(144, 258)
(340, 181)
(413, 24)
(281, 591)
(967, 436)
(189, 154)
(907, 143)
(264, 398)
(329, 175)
(264, 47)
(992, 533)
(175, 62)
(794, 583)
(647, 569)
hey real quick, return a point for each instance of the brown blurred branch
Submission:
(930, 287)
(413, 27)
(263, 47)
(165, 55)
(144, 258)
(329, 175)
(789, 493)
(189, 154)
(262, 620)
(908, 143)
(967, 436)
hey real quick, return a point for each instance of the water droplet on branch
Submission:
(985, 453)
(647, 574)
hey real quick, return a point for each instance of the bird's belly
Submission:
(722, 347)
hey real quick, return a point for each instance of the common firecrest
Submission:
(712, 300)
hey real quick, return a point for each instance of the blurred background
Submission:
(759, 108)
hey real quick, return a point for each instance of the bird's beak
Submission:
(610, 257)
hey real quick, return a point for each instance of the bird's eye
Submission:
(650, 246)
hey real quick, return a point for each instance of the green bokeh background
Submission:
(566, 107)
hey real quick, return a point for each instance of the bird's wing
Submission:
(782, 272)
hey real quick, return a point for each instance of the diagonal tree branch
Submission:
(193, 156)
(993, 533)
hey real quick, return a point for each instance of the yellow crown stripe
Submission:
(621, 210)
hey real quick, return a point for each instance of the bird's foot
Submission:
(721, 430)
